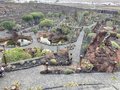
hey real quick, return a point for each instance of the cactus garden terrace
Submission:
(44, 47)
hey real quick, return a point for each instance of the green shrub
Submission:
(114, 44)
(54, 30)
(8, 25)
(118, 35)
(37, 16)
(10, 42)
(68, 71)
(65, 29)
(35, 30)
(46, 23)
(84, 47)
(57, 14)
(90, 35)
(53, 61)
(45, 51)
(38, 52)
(16, 54)
(86, 13)
(27, 18)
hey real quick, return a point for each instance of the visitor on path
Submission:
(1, 71)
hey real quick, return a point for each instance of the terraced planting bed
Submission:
(57, 42)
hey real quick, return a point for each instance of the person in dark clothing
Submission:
(1, 71)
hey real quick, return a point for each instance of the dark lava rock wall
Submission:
(16, 10)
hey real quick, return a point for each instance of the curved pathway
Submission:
(75, 52)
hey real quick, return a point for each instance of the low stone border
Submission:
(29, 63)
(65, 71)
(23, 64)
(66, 43)
(20, 46)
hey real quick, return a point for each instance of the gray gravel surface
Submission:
(32, 77)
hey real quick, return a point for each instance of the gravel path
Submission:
(76, 50)
(32, 77)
